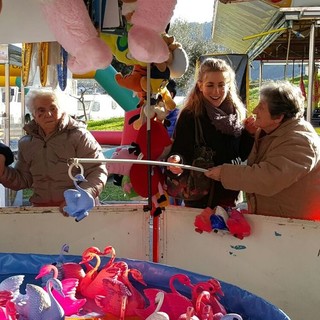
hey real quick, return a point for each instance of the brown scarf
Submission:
(224, 118)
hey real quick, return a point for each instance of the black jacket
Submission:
(225, 147)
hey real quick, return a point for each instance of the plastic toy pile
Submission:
(76, 290)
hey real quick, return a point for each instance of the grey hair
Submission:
(36, 93)
(283, 98)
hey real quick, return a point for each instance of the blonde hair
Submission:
(195, 99)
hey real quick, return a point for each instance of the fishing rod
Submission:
(76, 162)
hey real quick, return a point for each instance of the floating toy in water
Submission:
(78, 202)
(92, 283)
(134, 300)
(212, 286)
(203, 309)
(39, 304)
(158, 315)
(116, 299)
(174, 303)
(70, 304)
(58, 263)
(7, 307)
(12, 284)
(189, 315)
(75, 270)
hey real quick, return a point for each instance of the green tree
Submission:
(195, 39)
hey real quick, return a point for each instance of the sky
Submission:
(194, 10)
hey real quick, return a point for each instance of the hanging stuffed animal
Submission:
(149, 20)
(70, 22)
(160, 144)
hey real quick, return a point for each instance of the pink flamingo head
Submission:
(213, 286)
(91, 250)
(137, 275)
(110, 250)
(46, 270)
(89, 257)
(182, 278)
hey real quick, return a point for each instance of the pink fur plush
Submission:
(124, 167)
(149, 21)
(70, 23)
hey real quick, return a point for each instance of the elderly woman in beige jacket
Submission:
(282, 174)
(52, 138)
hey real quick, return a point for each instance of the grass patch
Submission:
(115, 124)
(110, 192)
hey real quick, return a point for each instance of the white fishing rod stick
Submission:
(76, 161)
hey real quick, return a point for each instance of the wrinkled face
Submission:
(215, 87)
(263, 117)
(46, 113)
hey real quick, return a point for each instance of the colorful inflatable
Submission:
(108, 137)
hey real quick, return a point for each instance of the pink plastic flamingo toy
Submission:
(134, 300)
(91, 285)
(7, 307)
(75, 270)
(174, 303)
(116, 299)
(207, 313)
(203, 309)
(213, 286)
(70, 304)
(189, 315)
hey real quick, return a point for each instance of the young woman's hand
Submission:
(175, 159)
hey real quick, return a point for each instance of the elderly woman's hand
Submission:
(61, 207)
(175, 159)
(249, 124)
(214, 173)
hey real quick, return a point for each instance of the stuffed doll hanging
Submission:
(71, 24)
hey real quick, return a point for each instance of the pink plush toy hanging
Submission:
(72, 27)
(149, 20)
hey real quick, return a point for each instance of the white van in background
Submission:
(98, 107)
(16, 113)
